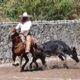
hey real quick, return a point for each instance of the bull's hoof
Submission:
(66, 66)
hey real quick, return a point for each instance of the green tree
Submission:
(41, 9)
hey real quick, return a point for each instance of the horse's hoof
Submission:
(22, 70)
(17, 64)
(30, 67)
(44, 67)
(13, 64)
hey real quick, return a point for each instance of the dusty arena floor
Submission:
(56, 71)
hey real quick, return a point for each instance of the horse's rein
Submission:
(17, 36)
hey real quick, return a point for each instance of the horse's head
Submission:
(74, 55)
(13, 34)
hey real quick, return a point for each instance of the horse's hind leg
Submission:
(23, 66)
(21, 58)
(36, 64)
(33, 61)
(31, 65)
(43, 62)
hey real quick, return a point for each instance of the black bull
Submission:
(58, 48)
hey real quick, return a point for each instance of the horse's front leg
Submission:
(13, 59)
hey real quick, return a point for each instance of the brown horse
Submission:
(18, 49)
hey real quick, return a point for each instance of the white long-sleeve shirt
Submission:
(24, 27)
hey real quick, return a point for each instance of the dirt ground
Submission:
(55, 71)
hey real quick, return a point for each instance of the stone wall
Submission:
(65, 30)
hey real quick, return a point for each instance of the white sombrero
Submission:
(25, 14)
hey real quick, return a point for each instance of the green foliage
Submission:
(42, 9)
(1, 1)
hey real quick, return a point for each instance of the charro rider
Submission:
(23, 28)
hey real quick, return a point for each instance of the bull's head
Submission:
(74, 55)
